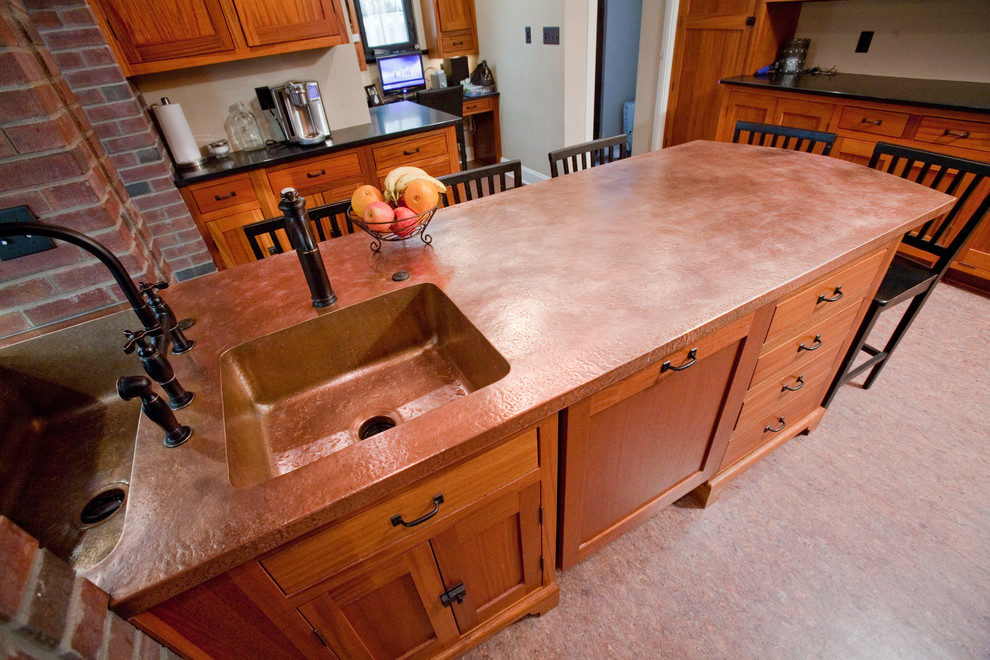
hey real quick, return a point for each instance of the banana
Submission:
(399, 179)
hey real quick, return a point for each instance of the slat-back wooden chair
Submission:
(481, 182)
(328, 221)
(784, 137)
(934, 246)
(587, 155)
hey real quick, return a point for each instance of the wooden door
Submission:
(711, 43)
(455, 15)
(495, 553)
(266, 22)
(387, 610)
(179, 28)
(647, 440)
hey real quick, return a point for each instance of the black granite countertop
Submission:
(946, 94)
(387, 122)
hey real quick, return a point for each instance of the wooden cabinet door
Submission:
(266, 22)
(711, 43)
(228, 237)
(180, 28)
(798, 113)
(455, 15)
(495, 553)
(388, 610)
(745, 106)
(647, 440)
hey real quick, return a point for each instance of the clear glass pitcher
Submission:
(243, 130)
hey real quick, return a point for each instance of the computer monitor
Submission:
(401, 73)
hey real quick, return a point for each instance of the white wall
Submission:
(530, 77)
(936, 39)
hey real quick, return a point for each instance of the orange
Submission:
(420, 195)
(363, 196)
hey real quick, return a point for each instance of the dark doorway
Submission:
(617, 55)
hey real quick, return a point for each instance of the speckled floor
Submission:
(870, 538)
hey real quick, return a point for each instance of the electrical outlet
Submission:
(863, 45)
(551, 35)
(13, 247)
(529, 34)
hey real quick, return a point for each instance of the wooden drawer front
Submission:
(764, 400)
(336, 173)
(805, 345)
(755, 435)
(954, 132)
(230, 192)
(474, 106)
(326, 552)
(813, 300)
(458, 42)
(415, 151)
(875, 122)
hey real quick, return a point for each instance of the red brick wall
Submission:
(47, 611)
(78, 148)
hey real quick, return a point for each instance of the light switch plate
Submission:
(13, 247)
(551, 35)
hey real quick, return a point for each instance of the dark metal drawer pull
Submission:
(456, 592)
(457, 43)
(800, 384)
(958, 134)
(778, 429)
(397, 519)
(836, 295)
(692, 357)
(410, 153)
(813, 347)
(875, 122)
(311, 175)
(220, 198)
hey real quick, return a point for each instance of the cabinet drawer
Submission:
(769, 426)
(813, 301)
(474, 106)
(341, 172)
(457, 42)
(225, 194)
(874, 122)
(805, 344)
(954, 132)
(773, 394)
(326, 552)
(414, 151)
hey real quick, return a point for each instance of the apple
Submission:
(378, 215)
(405, 221)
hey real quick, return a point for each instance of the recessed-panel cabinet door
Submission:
(455, 15)
(389, 610)
(267, 22)
(494, 554)
(172, 29)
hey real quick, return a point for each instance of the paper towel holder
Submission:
(182, 167)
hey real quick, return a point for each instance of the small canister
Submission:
(219, 149)
(792, 57)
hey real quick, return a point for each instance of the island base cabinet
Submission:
(448, 583)
(644, 442)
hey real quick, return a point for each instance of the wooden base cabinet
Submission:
(644, 442)
(474, 551)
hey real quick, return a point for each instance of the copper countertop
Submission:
(577, 282)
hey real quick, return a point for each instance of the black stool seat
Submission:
(904, 278)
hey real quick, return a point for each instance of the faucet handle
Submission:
(147, 289)
(138, 339)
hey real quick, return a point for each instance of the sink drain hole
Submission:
(374, 426)
(102, 506)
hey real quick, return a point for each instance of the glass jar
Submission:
(243, 130)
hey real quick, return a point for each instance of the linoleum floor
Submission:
(869, 538)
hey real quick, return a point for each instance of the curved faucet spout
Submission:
(131, 292)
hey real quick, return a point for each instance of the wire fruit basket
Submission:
(396, 230)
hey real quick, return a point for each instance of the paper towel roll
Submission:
(177, 133)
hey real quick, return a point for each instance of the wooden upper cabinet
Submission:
(455, 15)
(268, 22)
(450, 26)
(179, 34)
(194, 27)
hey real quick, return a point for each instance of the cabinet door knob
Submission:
(836, 295)
(797, 386)
(397, 518)
(692, 357)
(814, 347)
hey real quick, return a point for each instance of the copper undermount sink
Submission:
(297, 395)
(67, 440)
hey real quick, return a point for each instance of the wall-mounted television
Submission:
(401, 73)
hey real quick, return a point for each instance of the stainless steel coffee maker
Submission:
(300, 113)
